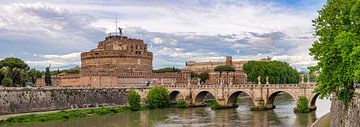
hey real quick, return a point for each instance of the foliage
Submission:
(2, 74)
(302, 105)
(47, 77)
(168, 69)
(68, 71)
(337, 48)
(213, 104)
(182, 104)
(64, 115)
(34, 74)
(278, 72)
(7, 82)
(202, 76)
(134, 100)
(15, 69)
(158, 97)
(224, 69)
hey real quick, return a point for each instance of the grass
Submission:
(64, 115)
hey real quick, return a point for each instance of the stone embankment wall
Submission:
(345, 117)
(20, 100)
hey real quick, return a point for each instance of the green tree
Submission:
(7, 82)
(202, 76)
(134, 100)
(337, 48)
(181, 104)
(224, 69)
(34, 75)
(168, 69)
(47, 76)
(15, 68)
(278, 72)
(2, 74)
(302, 105)
(158, 97)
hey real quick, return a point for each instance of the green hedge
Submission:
(134, 100)
(158, 97)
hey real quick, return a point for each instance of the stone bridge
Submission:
(262, 95)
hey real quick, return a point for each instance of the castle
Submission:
(117, 61)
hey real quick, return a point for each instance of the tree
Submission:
(15, 68)
(158, 97)
(337, 48)
(47, 76)
(302, 105)
(34, 75)
(168, 69)
(182, 104)
(2, 74)
(278, 72)
(7, 82)
(202, 76)
(222, 69)
(134, 100)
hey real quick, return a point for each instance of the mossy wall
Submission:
(19, 100)
(342, 116)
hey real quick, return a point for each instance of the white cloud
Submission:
(45, 25)
(157, 41)
(56, 61)
(177, 31)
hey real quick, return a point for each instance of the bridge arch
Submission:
(231, 99)
(270, 100)
(175, 95)
(202, 96)
(312, 100)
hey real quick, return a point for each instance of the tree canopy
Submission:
(224, 69)
(15, 69)
(167, 69)
(278, 72)
(202, 76)
(337, 48)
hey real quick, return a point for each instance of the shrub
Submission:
(134, 100)
(213, 104)
(182, 104)
(302, 105)
(7, 82)
(158, 97)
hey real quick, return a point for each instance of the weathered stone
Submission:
(342, 116)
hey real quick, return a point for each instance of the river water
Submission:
(281, 116)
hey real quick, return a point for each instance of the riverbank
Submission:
(324, 121)
(63, 115)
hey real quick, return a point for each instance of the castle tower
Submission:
(117, 54)
(229, 61)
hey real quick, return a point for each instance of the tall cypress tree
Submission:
(47, 76)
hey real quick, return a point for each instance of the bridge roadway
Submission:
(262, 95)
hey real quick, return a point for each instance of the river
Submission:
(281, 116)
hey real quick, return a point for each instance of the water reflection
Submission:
(281, 116)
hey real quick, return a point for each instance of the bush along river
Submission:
(282, 116)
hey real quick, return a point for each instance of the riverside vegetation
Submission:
(158, 97)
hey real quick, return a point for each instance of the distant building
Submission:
(236, 77)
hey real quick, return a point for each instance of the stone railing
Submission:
(306, 85)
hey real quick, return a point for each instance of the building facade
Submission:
(118, 61)
(236, 77)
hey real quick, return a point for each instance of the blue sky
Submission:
(56, 31)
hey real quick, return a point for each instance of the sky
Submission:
(56, 31)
